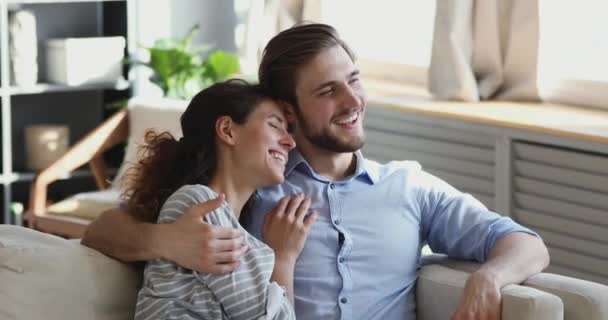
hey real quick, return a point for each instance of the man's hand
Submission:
(481, 299)
(194, 244)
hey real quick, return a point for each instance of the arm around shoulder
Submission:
(119, 234)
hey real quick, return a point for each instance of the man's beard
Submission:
(327, 141)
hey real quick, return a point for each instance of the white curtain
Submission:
(266, 18)
(485, 49)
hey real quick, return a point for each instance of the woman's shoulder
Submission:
(195, 193)
(187, 197)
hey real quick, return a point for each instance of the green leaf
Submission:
(222, 65)
(180, 69)
(185, 43)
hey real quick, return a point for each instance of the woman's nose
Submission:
(288, 142)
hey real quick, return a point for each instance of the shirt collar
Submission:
(362, 171)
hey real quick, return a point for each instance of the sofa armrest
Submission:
(439, 291)
(582, 299)
(47, 277)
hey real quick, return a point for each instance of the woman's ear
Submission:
(224, 130)
(290, 114)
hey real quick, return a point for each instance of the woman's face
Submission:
(264, 143)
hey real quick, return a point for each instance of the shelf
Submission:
(49, 88)
(58, 1)
(29, 176)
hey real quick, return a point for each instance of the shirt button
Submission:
(341, 260)
(344, 300)
(332, 186)
(337, 222)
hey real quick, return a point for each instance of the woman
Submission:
(235, 140)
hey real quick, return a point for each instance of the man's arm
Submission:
(456, 224)
(514, 258)
(190, 242)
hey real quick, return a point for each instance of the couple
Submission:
(363, 238)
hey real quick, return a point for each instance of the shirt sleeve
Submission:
(247, 292)
(457, 224)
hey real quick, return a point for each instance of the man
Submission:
(361, 256)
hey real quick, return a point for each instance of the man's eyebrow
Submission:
(329, 83)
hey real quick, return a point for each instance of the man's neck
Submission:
(332, 165)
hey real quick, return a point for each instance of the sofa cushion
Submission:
(158, 114)
(46, 277)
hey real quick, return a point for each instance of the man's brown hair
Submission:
(291, 49)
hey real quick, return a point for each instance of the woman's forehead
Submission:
(269, 107)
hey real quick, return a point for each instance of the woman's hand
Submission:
(287, 227)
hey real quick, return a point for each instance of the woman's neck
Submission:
(237, 192)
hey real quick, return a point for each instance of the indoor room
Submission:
(318, 159)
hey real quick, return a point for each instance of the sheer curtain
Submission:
(262, 19)
(485, 49)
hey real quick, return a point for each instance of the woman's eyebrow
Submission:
(278, 117)
(281, 119)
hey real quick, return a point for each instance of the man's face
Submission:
(331, 103)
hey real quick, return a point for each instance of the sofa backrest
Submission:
(46, 277)
(158, 114)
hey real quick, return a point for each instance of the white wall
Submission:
(174, 18)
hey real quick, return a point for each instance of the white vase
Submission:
(44, 144)
(23, 48)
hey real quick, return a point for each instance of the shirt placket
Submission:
(345, 243)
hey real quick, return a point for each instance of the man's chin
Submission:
(346, 147)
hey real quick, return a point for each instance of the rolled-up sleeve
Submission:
(457, 224)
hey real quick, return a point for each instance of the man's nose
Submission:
(352, 98)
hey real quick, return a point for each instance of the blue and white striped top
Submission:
(172, 292)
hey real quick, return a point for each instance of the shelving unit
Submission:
(80, 107)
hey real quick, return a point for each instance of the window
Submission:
(392, 39)
(573, 51)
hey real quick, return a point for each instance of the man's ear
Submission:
(224, 130)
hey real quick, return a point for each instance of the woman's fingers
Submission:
(310, 219)
(282, 206)
(294, 204)
(302, 210)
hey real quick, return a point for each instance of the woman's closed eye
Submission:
(276, 125)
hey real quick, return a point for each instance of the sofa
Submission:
(43, 276)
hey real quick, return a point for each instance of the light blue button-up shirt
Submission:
(362, 254)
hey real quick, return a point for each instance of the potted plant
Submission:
(180, 69)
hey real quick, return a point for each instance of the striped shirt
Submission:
(173, 292)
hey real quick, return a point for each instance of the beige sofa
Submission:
(47, 277)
